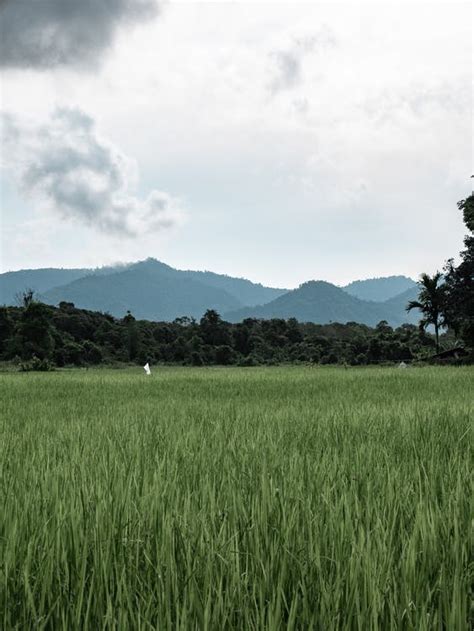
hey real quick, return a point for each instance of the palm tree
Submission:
(431, 300)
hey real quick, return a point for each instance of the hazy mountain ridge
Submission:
(401, 300)
(40, 280)
(250, 294)
(87, 288)
(379, 289)
(46, 278)
(154, 290)
(147, 295)
(321, 302)
(245, 291)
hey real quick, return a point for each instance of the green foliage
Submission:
(36, 365)
(70, 353)
(291, 498)
(431, 302)
(34, 330)
(92, 353)
(6, 328)
(75, 337)
(224, 355)
(459, 311)
(467, 208)
(132, 337)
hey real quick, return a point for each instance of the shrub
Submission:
(36, 364)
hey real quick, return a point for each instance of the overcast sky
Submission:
(280, 142)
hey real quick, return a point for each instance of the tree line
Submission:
(40, 336)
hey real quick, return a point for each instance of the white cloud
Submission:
(68, 168)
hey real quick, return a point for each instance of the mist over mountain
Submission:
(153, 290)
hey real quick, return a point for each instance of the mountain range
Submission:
(153, 290)
(322, 302)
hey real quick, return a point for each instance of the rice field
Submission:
(265, 498)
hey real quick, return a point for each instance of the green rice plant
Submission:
(263, 498)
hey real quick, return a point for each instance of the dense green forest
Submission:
(36, 335)
(65, 335)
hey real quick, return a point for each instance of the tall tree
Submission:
(214, 330)
(35, 329)
(459, 314)
(133, 341)
(431, 302)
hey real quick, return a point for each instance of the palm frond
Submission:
(414, 304)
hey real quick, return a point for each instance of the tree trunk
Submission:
(437, 337)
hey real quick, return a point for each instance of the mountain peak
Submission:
(152, 264)
(317, 284)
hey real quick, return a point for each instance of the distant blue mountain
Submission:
(379, 289)
(150, 289)
(147, 294)
(321, 302)
(40, 280)
(153, 290)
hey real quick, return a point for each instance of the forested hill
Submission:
(321, 302)
(146, 294)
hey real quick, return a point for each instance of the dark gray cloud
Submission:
(69, 169)
(45, 34)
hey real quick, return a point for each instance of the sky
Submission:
(280, 142)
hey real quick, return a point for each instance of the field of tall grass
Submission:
(266, 498)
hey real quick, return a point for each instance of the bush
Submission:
(250, 360)
(196, 359)
(93, 354)
(224, 355)
(36, 364)
(73, 353)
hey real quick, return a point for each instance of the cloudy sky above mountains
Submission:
(280, 142)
